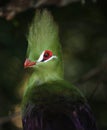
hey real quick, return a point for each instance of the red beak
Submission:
(29, 63)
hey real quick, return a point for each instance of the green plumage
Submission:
(43, 35)
(47, 95)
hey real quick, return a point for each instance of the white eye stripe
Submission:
(41, 57)
(53, 57)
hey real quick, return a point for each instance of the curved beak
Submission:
(29, 63)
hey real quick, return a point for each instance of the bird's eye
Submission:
(47, 55)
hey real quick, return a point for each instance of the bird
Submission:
(49, 101)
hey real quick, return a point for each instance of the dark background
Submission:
(83, 35)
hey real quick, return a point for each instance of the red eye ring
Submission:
(47, 54)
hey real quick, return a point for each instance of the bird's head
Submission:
(44, 50)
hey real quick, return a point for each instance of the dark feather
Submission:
(79, 117)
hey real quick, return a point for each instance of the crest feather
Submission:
(43, 34)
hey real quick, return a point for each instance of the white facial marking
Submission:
(53, 57)
(42, 56)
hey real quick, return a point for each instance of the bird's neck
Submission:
(40, 77)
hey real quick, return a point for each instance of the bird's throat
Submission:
(37, 78)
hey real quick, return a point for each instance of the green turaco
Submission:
(50, 102)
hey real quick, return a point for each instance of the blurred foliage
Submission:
(83, 34)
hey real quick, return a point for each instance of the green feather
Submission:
(51, 93)
(43, 35)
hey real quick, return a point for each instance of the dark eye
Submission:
(47, 55)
